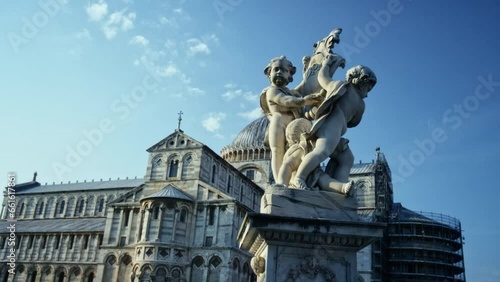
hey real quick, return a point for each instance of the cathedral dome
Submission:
(250, 139)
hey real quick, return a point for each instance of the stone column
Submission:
(216, 224)
(66, 204)
(145, 233)
(44, 208)
(160, 220)
(130, 220)
(138, 233)
(174, 225)
(120, 226)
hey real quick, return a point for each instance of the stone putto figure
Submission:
(281, 105)
(333, 104)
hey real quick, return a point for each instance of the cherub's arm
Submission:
(278, 97)
(326, 71)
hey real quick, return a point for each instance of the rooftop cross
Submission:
(179, 121)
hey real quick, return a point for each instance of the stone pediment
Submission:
(169, 192)
(176, 140)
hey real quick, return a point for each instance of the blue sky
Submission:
(106, 79)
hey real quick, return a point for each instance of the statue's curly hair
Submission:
(293, 69)
(361, 74)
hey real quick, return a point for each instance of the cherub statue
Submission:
(282, 105)
(299, 147)
(342, 108)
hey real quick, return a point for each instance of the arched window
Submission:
(236, 270)
(100, 205)
(197, 269)
(174, 168)
(161, 274)
(61, 206)
(125, 268)
(109, 267)
(79, 206)
(211, 215)
(175, 275)
(146, 274)
(21, 209)
(214, 269)
(90, 277)
(40, 208)
(156, 212)
(60, 277)
(183, 215)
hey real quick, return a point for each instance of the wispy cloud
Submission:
(195, 91)
(116, 21)
(167, 70)
(139, 40)
(234, 92)
(97, 11)
(212, 122)
(196, 46)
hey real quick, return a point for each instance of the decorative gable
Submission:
(176, 140)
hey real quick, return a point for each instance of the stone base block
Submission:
(299, 249)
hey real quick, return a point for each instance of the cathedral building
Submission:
(180, 222)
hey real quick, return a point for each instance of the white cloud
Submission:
(116, 21)
(139, 40)
(252, 115)
(233, 92)
(195, 91)
(196, 46)
(97, 11)
(212, 122)
(178, 11)
(167, 71)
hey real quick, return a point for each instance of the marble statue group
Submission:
(306, 124)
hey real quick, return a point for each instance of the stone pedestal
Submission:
(298, 240)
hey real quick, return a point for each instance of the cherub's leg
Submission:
(326, 183)
(328, 138)
(277, 142)
(345, 160)
(290, 164)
